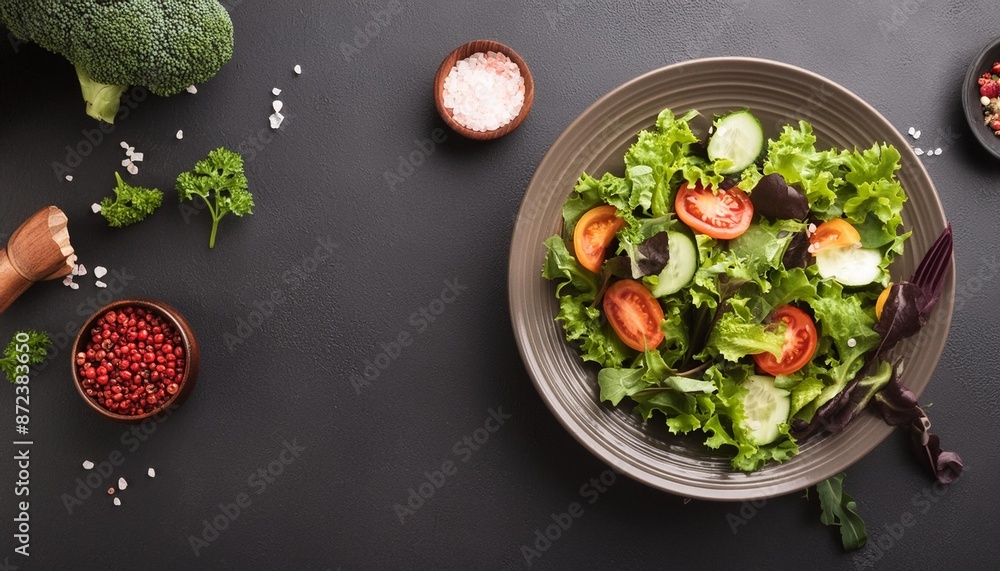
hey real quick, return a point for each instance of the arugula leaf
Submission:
(838, 509)
(617, 384)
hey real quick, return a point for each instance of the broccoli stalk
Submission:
(221, 184)
(26, 348)
(163, 45)
(102, 100)
(131, 204)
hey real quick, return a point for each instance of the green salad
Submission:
(730, 285)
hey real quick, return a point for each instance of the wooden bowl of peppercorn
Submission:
(135, 358)
(464, 51)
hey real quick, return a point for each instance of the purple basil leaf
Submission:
(773, 198)
(797, 254)
(902, 316)
(654, 254)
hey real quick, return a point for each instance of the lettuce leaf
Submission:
(736, 335)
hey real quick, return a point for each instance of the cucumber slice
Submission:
(850, 266)
(681, 265)
(765, 408)
(739, 138)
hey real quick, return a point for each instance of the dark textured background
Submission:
(354, 113)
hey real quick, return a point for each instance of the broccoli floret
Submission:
(131, 204)
(221, 174)
(163, 45)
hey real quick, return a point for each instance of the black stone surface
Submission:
(360, 109)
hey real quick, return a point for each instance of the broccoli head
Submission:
(163, 45)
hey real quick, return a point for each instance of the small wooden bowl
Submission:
(463, 51)
(192, 353)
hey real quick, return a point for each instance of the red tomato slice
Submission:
(800, 342)
(836, 233)
(634, 314)
(724, 215)
(595, 230)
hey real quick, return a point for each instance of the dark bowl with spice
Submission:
(479, 77)
(982, 118)
(134, 358)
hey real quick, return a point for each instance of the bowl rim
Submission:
(520, 325)
(970, 99)
(178, 322)
(468, 49)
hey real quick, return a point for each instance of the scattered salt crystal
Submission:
(129, 151)
(277, 106)
(151, 472)
(81, 269)
(118, 502)
(276, 120)
(911, 130)
(916, 134)
(132, 169)
(180, 134)
(95, 207)
(938, 151)
(100, 272)
(74, 285)
(124, 145)
(122, 484)
(75, 271)
(484, 91)
(137, 157)
(100, 284)
(192, 89)
(69, 178)
(298, 70)
(68, 280)
(126, 162)
(918, 151)
(852, 342)
(88, 465)
(276, 91)
(812, 228)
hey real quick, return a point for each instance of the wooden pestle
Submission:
(39, 250)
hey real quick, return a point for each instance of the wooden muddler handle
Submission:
(39, 250)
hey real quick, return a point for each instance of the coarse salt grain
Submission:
(74, 285)
(192, 89)
(180, 134)
(100, 284)
(95, 207)
(484, 91)
(126, 162)
(916, 134)
(297, 69)
(124, 145)
(938, 151)
(132, 169)
(277, 106)
(911, 130)
(122, 484)
(276, 91)
(137, 157)
(118, 502)
(151, 472)
(81, 269)
(69, 178)
(918, 151)
(100, 272)
(88, 465)
(276, 120)
(67, 281)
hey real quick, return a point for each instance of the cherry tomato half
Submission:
(800, 342)
(595, 230)
(836, 233)
(723, 214)
(634, 314)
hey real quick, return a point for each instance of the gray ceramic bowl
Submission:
(595, 142)
(971, 105)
